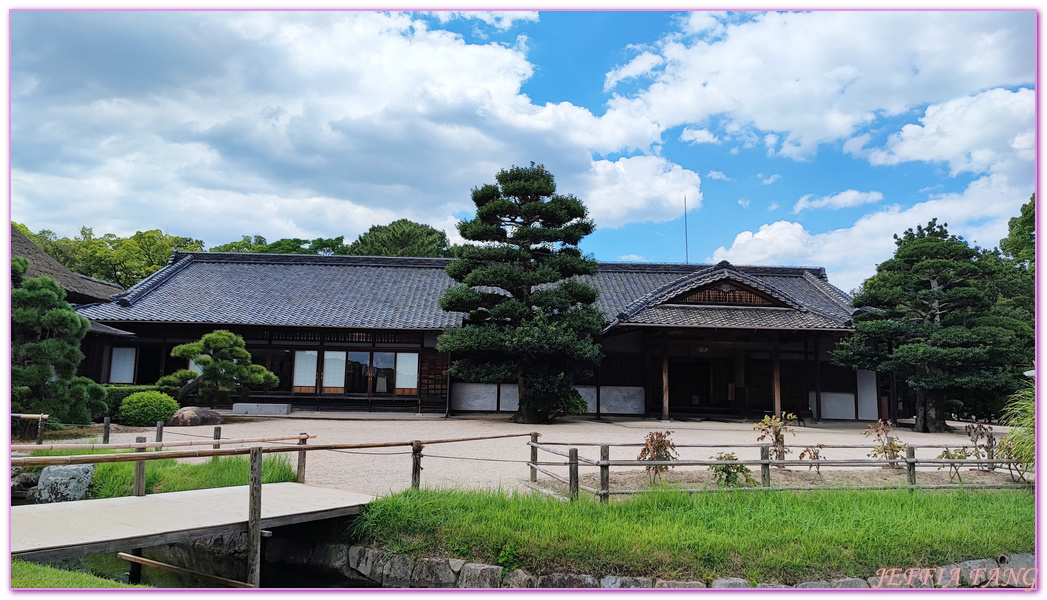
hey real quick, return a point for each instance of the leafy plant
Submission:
(731, 475)
(146, 408)
(1020, 443)
(658, 446)
(507, 558)
(887, 446)
(978, 432)
(775, 428)
(958, 454)
(813, 454)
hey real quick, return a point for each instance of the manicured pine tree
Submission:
(528, 318)
(225, 364)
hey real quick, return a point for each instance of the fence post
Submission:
(139, 482)
(910, 463)
(416, 464)
(890, 444)
(159, 433)
(765, 465)
(40, 426)
(534, 458)
(254, 520)
(990, 453)
(105, 430)
(605, 473)
(572, 467)
(301, 459)
(217, 436)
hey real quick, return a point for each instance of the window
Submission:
(334, 373)
(304, 371)
(406, 373)
(122, 368)
(365, 372)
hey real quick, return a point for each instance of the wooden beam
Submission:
(160, 565)
(777, 368)
(254, 521)
(818, 379)
(665, 378)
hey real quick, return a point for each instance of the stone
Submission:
(849, 582)
(433, 573)
(949, 576)
(63, 483)
(669, 583)
(821, 583)
(27, 479)
(889, 580)
(1018, 570)
(977, 572)
(567, 580)
(613, 581)
(189, 416)
(478, 575)
(456, 564)
(518, 578)
(367, 562)
(247, 408)
(731, 582)
(397, 572)
(772, 585)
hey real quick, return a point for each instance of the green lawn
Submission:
(786, 536)
(32, 575)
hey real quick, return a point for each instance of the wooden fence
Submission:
(910, 462)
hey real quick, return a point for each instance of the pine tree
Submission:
(225, 365)
(45, 352)
(528, 318)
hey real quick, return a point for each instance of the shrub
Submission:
(1020, 443)
(116, 394)
(776, 428)
(142, 409)
(887, 446)
(658, 446)
(728, 475)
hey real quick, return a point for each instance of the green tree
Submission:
(401, 238)
(1020, 242)
(225, 365)
(45, 352)
(934, 318)
(528, 318)
(246, 244)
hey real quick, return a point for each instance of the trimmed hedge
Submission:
(142, 409)
(117, 392)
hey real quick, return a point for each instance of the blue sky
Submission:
(798, 138)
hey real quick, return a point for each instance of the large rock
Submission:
(397, 572)
(433, 573)
(567, 580)
(670, 583)
(614, 582)
(477, 575)
(821, 583)
(518, 578)
(26, 479)
(194, 415)
(62, 483)
(731, 582)
(367, 562)
(850, 582)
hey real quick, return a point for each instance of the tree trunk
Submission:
(929, 417)
(525, 411)
(921, 411)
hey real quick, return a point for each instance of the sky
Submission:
(795, 138)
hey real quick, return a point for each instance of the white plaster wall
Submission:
(620, 399)
(510, 397)
(867, 409)
(473, 396)
(588, 393)
(835, 405)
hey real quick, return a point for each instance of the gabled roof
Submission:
(403, 293)
(79, 288)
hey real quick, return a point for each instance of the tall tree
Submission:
(528, 319)
(401, 238)
(246, 244)
(934, 318)
(1020, 242)
(45, 352)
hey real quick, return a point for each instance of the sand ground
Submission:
(500, 463)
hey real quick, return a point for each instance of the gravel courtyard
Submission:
(493, 464)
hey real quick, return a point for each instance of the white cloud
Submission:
(639, 189)
(499, 19)
(632, 258)
(773, 206)
(743, 203)
(771, 179)
(844, 199)
(832, 82)
(972, 133)
(718, 175)
(850, 254)
(638, 66)
(698, 136)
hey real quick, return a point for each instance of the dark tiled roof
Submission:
(80, 288)
(404, 293)
(733, 317)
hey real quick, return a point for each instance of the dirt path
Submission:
(493, 464)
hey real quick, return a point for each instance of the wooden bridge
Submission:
(71, 529)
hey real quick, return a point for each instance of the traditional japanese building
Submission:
(359, 333)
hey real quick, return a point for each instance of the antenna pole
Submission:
(686, 257)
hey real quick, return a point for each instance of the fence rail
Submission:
(909, 462)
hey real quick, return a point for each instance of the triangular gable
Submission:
(727, 292)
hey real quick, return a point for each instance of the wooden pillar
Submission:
(765, 467)
(572, 468)
(301, 460)
(416, 464)
(254, 520)
(134, 570)
(777, 368)
(41, 425)
(605, 473)
(818, 379)
(665, 378)
(105, 430)
(534, 458)
(159, 433)
(217, 436)
(139, 480)
(910, 463)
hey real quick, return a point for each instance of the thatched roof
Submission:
(80, 289)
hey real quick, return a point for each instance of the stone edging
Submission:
(398, 571)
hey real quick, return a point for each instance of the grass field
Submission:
(785, 536)
(31, 575)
